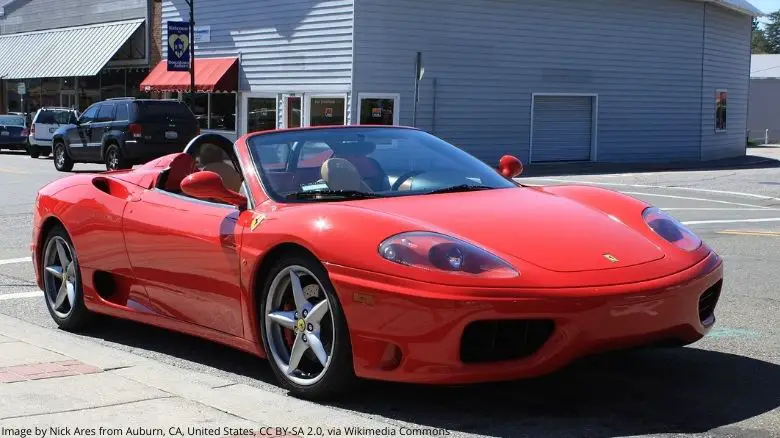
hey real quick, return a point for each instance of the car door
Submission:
(100, 126)
(186, 253)
(80, 136)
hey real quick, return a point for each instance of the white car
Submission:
(45, 122)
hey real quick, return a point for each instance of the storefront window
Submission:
(50, 92)
(14, 100)
(377, 110)
(112, 84)
(32, 100)
(134, 79)
(293, 112)
(327, 111)
(68, 83)
(200, 109)
(89, 91)
(260, 114)
(223, 111)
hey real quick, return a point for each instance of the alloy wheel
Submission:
(299, 326)
(60, 276)
(59, 156)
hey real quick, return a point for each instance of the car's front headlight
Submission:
(434, 251)
(671, 229)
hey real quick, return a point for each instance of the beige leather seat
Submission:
(230, 177)
(340, 174)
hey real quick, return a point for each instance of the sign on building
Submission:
(202, 34)
(178, 46)
(21, 88)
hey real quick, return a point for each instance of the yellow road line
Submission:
(15, 171)
(751, 233)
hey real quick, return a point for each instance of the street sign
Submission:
(21, 88)
(178, 46)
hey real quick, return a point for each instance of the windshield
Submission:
(365, 162)
(12, 120)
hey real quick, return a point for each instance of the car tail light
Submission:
(197, 130)
(433, 251)
(136, 130)
(32, 129)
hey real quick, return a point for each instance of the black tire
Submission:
(34, 151)
(62, 162)
(339, 378)
(114, 158)
(79, 317)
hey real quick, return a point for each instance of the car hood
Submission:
(549, 231)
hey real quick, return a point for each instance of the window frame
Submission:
(396, 98)
(208, 94)
(725, 129)
(307, 98)
(245, 105)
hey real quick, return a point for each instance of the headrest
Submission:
(340, 174)
(353, 148)
(178, 169)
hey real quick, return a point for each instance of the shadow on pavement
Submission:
(684, 390)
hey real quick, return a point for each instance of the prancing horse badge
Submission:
(257, 221)
(611, 258)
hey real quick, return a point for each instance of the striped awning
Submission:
(63, 52)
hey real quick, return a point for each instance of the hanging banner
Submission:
(178, 46)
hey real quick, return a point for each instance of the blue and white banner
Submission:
(178, 46)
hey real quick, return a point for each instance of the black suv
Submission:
(122, 132)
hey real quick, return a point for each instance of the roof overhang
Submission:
(211, 75)
(63, 52)
(741, 6)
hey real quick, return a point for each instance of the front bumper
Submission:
(408, 331)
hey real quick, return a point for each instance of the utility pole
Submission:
(191, 4)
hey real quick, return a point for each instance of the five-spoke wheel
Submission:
(62, 281)
(304, 332)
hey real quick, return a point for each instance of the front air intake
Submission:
(503, 340)
(708, 301)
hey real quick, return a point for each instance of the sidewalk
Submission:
(55, 384)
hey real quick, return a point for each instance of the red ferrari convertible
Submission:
(370, 252)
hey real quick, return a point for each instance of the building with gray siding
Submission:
(71, 53)
(545, 80)
(764, 107)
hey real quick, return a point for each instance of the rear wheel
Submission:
(62, 161)
(304, 330)
(114, 158)
(62, 282)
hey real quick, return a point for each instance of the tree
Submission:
(760, 43)
(772, 32)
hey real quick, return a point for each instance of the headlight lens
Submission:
(433, 251)
(671, 229)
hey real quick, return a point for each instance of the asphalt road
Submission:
(726, 385)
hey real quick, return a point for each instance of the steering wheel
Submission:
(402, 179)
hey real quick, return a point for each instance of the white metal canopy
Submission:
(71, 51)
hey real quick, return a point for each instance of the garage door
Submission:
(562, 128)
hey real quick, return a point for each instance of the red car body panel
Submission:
(191, 266)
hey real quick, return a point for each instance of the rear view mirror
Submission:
(510, 166)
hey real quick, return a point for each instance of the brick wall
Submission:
(156, 18)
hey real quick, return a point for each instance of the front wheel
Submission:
(62, 161)
(62, 282)
(304, 330)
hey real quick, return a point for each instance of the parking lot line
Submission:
(751, 233)
(18, 295)
(17, 260)
(688, 198)
(733, 221)
(648, 186)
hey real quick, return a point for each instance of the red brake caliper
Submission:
(289, 336)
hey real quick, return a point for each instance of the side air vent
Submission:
(707, 303)
(110, 187)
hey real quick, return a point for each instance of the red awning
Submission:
(211, 74)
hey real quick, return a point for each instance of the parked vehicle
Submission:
(13, 132)
(44, 124)
(124, 131)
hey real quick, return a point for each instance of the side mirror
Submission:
(510, 166)
(208, 185)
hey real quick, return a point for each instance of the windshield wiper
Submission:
(328, 195)
(459, 188)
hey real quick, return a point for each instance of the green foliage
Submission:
(772, 32)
